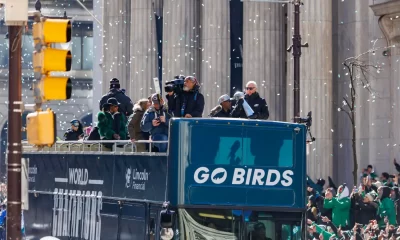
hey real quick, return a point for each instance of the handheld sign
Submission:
(157, 85)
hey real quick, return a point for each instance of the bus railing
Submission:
(94, 147)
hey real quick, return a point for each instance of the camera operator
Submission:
(224, 107)
(126, 105)
(188, 102)
(258, 104)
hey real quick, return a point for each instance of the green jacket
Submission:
(340, 210)
(105, 125)
(386, 209)
(327, 235)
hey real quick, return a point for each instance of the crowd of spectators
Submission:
(368, 211)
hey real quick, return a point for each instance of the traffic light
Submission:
(46, 59)
(40, 127)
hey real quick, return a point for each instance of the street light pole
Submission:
(296, 48)
(14, 134)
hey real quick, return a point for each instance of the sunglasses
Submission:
(249, 88)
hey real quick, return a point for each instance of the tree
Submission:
(359, 75)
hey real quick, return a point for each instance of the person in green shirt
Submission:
(386, 207)
(340, 206)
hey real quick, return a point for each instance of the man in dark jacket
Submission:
(75, 132)
(189, 103)
(258, 104)
(155, 121)
(126, 105)
(223, 109)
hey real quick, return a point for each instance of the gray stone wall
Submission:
(143, 49)
(215, 51)
(264, 53)
(315, 83)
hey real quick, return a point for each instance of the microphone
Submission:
(215, 110)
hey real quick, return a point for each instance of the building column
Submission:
(116, 43)
(387, 119)
(315, 81)
(215, 56)
(98, 8)
(264, 53)
(143, 55)
(181, 38)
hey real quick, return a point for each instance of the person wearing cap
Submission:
(258, 104)
(224, 107)
(155, 121)
(126, 105)
(188, 103)
(75, 132)
(133, 125)
(105, 123)
(119, 119)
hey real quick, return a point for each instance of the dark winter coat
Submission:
(119, 125)
(258, 104)
(147, 125)
(71, 135)
(126, 106)
(193, 100)
(223, 114)
(363, 212)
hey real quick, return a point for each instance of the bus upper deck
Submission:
(222, 176)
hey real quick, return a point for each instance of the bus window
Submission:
(215, 224)
(250, 146)
(268, 147)
(224, 145)
(261, 230)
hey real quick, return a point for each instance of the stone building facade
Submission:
(197, 39)
(226, 43)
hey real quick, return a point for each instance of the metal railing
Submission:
(94, 147)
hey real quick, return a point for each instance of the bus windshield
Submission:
(223, 224)
(252, 146)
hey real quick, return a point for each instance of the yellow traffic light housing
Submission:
(47, 59)
(41, 128)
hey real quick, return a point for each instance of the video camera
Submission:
(307, 120)
(175, 85)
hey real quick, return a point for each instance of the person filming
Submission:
(188, 102)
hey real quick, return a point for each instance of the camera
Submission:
(307, 120)
(175, 85)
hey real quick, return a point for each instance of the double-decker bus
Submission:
(223, 178)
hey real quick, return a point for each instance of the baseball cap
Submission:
(75, 123)
(113, 102)
(223, 98)
(155, 98)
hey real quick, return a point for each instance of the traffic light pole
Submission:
(14, 134)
